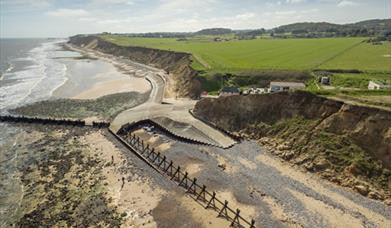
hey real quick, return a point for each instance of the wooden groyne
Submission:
(209, 200)
(155, 160)
(52, 121)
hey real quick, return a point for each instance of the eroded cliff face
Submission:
(347, 144)
(182, 80)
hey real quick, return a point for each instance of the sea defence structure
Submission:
(52, 121)
(160, 163)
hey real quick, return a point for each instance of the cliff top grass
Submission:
(272, 54)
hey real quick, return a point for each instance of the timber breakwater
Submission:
(52, 121)
(199, 192)
(160, 163)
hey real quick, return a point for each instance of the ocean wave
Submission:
(37, 81)
(9, 68)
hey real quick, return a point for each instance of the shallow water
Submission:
(11, 190)
(35, 72)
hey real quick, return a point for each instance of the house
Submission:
(285, 86)
(229, 91)
(376, 85)
(324, 80)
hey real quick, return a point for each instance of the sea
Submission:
(30, 70)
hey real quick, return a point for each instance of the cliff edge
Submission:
(349, 145)
(182, 80)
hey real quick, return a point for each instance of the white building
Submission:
(285, 86)
(373, 85)
(324, 80)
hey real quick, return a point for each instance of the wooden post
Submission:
(212, 201)
(236, 218)
(252, 223)
(142, 146)
(137, 142)
(152, 152)
(177, 171)
(169, 166)
(162, 161)
(147, 148)
(202, 193)
(193, 184)
(224, 209)
(156, 157)
(183, 179)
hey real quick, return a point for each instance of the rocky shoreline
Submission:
(103, 108)
(60, 180)
(75, 177)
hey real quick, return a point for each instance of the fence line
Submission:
(198, 192)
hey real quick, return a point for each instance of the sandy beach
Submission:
(93, 78)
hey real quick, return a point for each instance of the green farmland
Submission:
(254, 63)
(365, 57)
(272, 54)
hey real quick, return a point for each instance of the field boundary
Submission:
(338, 54)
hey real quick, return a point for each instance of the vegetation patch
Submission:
(358, 81)
(336, 157)
(214, 81)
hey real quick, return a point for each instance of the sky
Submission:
(63, 18)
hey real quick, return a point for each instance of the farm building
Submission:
(229, 91)
(285, 86)
(324, 80)
(374, 85)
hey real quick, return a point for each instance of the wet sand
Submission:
(91, 78)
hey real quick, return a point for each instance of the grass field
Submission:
(366, 57)
(359, 81)
(259, 61)
(272, 54)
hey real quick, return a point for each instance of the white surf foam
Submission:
(35, 82)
